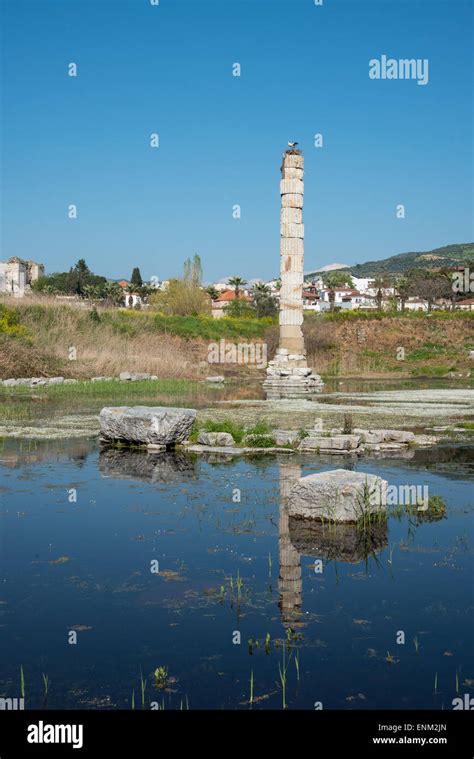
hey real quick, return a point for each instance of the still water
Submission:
(81, 528)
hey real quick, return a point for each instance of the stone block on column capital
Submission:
(291, 187)
(293, 161)
(292, 230)
(289, 172)
(292, 201)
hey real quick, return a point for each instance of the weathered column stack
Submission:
(290, 583)
(288, 375)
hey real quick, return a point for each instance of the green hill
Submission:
(450, 255)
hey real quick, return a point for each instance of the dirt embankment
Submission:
(398, 346)
(48, 340)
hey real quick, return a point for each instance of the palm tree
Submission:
(212, 292)
(92, 292)
(237, 282)
(113, 293)
(261, 288)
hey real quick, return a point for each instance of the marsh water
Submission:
(240, 593)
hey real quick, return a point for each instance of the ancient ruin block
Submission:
(292, 230)
(293, 247)
(151, 425)
(291, 216)
(293, 161)
(339, 496)
(291, 173)
(292, 201)
(291, 187)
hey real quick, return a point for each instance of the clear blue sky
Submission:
(168, 69)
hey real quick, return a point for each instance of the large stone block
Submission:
(216, 438)
(333, 443)
(292, 201)
(293, 160)
(291, 246)
(292, 172)
(291, 216)
(290, 320)
(339, 495)
(398, 436)
(286, 437)
(151, 425)
(292, 230)
(291, 187)
(374, 437)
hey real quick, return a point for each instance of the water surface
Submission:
(226, 567)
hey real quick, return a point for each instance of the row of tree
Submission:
(426, 284)
(186, 296)
(82, 282)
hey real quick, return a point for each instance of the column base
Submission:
(288, 376)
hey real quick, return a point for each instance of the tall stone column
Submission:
(292, 254)
(288, 375)
(290, 584)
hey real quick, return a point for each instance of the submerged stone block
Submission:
(339, 495)
(150, 425)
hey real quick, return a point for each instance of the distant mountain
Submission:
(332, 267)
(461, 254)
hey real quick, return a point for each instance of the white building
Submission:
(16, 276)
(363, 284)
(415, 304)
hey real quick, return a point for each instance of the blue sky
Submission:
(167, 69)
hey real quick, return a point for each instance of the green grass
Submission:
(260, 441)
(132, 323)
(209, 328)
(114, 389)
(429, 370)
(428, 351)
(260, 430)
(22, 682)
(379, 315)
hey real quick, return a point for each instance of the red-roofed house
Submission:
(226, 297)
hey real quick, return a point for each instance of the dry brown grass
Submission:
(369, 346)
(113, 345)
(100, 350)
